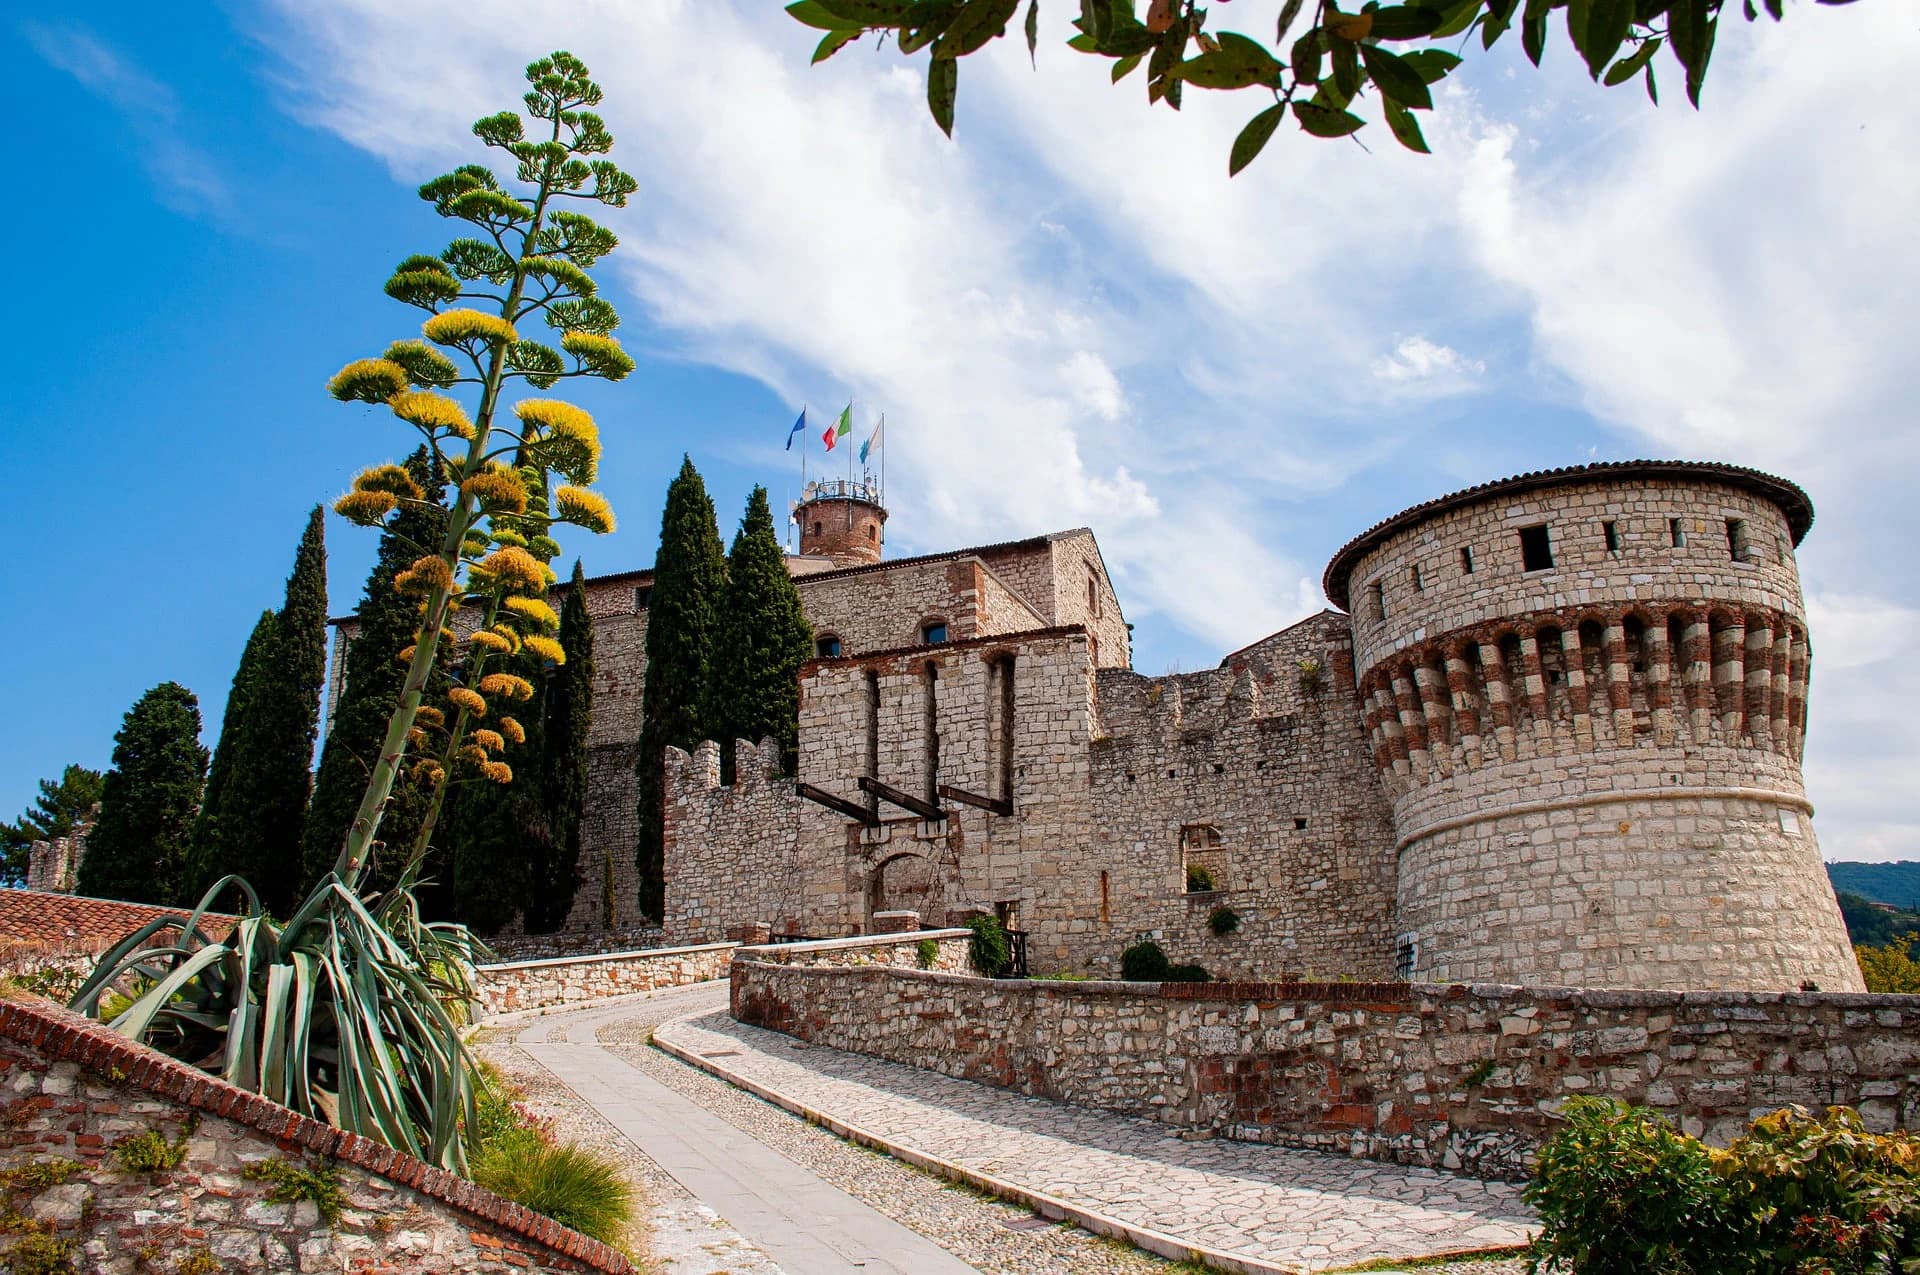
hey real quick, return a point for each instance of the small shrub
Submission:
(1187, 974)
(1313, 675)
(1144, 962)
(990, 950)
(1619, 1192)
(928, 950)
(576, 1186)
(1890, 968)
(40, 1253)
(198, 1261)
(36, 1176)
(149, 1152)
(1223, 921)
(1199, 878)
(291, 1184)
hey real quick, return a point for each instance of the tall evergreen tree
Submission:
(554, 874)
(61, 805)
(254, 657)
(687, 578)
(256, 827)
(138, 849)
(374, 674)
(761, 638)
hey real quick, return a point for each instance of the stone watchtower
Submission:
(1586, 695)
(842, 520)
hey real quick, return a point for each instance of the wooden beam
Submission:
(999, 805)
(904, 800)
(857, 813)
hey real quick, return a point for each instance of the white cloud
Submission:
(186, 179)
(1416, 359)
(1071, 315)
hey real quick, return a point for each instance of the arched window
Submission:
(826, 647)
(873, 532)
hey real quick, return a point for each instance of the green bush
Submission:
(1186, 974)
(991, 951)
(576, 1186)
(1619, 1191)
(1223, 921)
(1144, 962)
(928, 951)
(149, 1152)
(1199, 879)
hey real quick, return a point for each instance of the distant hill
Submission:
(1895, 883)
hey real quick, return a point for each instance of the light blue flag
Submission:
(797, 427)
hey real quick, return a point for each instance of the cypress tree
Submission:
(687, 577)
(257, 825)
(566, 720)
(761, 638)
(253, 658)
(374, 673)
(139, 847)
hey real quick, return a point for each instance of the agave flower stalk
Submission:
(348, 1011)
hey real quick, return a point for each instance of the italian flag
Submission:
(840, 428)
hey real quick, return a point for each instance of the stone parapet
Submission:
(71, 1089)
(572, 980)
(1452, 1076)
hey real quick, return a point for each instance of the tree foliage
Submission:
(1890, 967)
(761, 638)
(688, 576)
(61, 805)
(1339, 62)
(554, 873)
(344, 1012)
(138, 849)
(256, 815)
(226, 750)
(385, 622)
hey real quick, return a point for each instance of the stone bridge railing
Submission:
(1459, 1077)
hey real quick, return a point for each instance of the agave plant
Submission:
(347, 1011)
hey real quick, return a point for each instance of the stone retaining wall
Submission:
(568, 980)
(1445, 1076)
(891, 951)
(71, 1091)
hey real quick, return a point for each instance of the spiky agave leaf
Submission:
(342, 1013)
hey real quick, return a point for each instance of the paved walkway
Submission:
(1277, 1206)
(806, 1225)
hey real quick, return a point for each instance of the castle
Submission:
(1553, 736)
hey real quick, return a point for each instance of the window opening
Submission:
(930, 739)
(1299, 823)
(1466, 560)
(1676, 533)
(1414, 575)
(1611, 530)
(1379, 591)
(642, 597)
(873, 532)
(1406, 957)
(933, 632)
(873, 735)
(816, 528)
(827, 647)
(1536, 548)
(1003, 676)
(1106, 913)
(1737, 539)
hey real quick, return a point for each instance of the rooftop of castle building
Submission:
(1791, 499)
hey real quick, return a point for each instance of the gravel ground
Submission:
(995, 1237)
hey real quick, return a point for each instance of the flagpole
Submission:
(883, 460)
(849, 476)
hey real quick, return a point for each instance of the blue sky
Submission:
(1069, 315)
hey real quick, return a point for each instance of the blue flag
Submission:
(797, 427)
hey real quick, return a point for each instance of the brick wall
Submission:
(1445, 1076)
(70, 1089)
(570, 980)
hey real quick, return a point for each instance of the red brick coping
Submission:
(69, 1037)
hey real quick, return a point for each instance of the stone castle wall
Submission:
(1452, 1077)
(1594, 760)
(1117, 784)
(569, 980)
(71, 1090)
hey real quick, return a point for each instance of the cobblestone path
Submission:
(1288, 1207)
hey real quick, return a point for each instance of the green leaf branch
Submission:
(1340, 60)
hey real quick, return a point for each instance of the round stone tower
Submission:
(841, 520)
(1586, 693)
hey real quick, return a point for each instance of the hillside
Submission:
(1895, 883)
